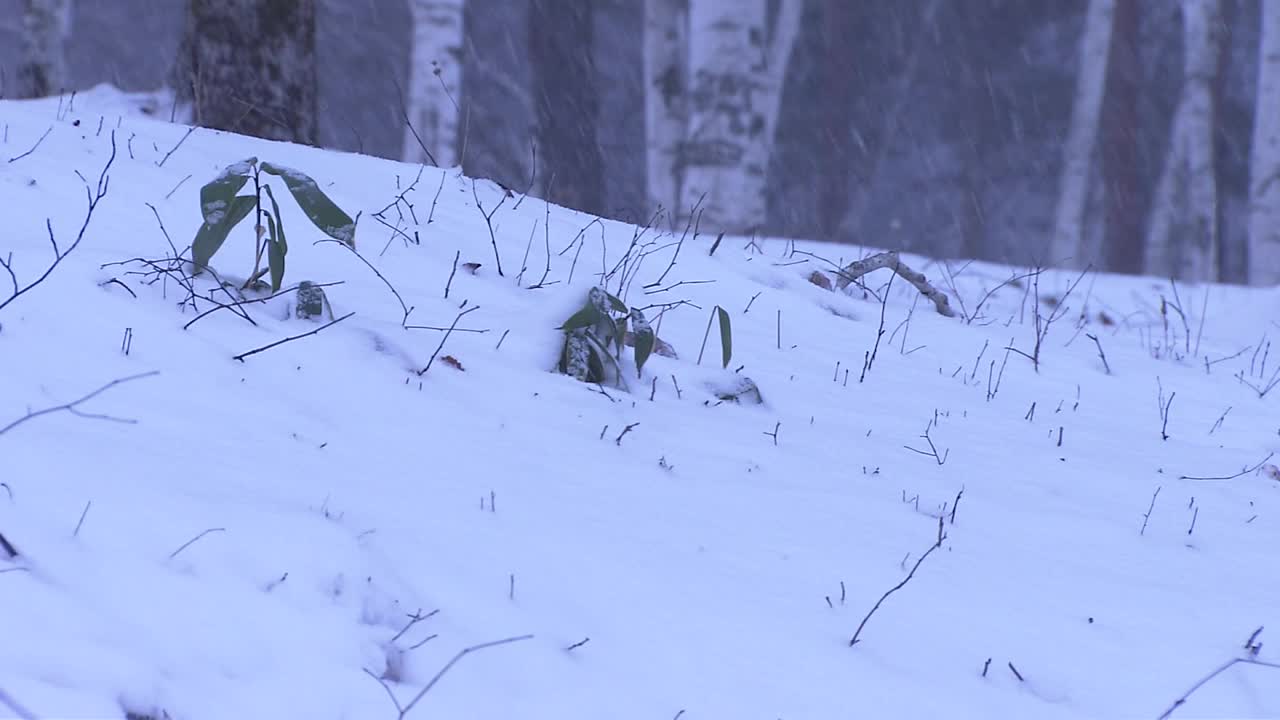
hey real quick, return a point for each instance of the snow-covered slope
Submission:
(712, 562)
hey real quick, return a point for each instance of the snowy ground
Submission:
(713, 562)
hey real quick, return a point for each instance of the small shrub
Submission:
(223, 208)
(595, 335)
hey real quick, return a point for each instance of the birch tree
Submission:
(45, 27)
(251, 67)
(1068, 243)
(737, 62)
(435, 82)
(666, 58)
(1182, 240)
(1264, 161)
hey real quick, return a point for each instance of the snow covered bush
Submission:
(223, 209)
(589, 333)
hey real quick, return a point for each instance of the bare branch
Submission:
(73, 406)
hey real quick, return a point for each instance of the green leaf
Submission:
(586, 317)
(323, 213)
(216, 196)
(618, 305)
(210, 237)
(278, 247)
(644, 347)
(275, 258)
(726, 336)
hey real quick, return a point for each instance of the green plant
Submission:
(726, 336)
(223, 208)
(590, 333)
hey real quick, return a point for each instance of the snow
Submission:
(702, 552)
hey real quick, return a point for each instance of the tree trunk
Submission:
(435, 82)
(835, 160)
(1264, 161)
(43, 69)
(1183, 238)
(253, 67)
(666, 81)
(567, 104)
(1122, 231)
(737, 69)
(1068, 242)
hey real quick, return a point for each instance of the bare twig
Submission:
(488, 221)
(1242, 473)
(404, 308)
(14, 706)
(291, 338)
(73, 406)
(33, 147)
(937, 544)
(1250, 658)
(192, 541)
(405, 709)
(445, 339)
(95, 197)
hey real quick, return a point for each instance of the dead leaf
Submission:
(452, 362)
(820, 279)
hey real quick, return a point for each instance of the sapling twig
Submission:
(1249, 658)
(488, 221)
(73, 407)
(937, 544)
(403, 710)
(445, 339)
(291, 338)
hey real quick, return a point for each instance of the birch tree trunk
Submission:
(1264, 161)
(737, 69)
(435, 82)
(1183, 239)
(253, 67)
(566, 103)
(666, 82)
(43, 69)
(1068, 243)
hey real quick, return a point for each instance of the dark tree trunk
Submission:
(250, 67)
(835, 157)
(1231, 245)
(1123, 230)
(566, 103)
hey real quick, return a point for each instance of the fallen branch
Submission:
(890, 260)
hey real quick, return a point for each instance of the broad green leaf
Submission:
(618, 305)
(317, 206)
(644, 347)
(726, 336)
(216, 196)
(210, 237)
(278, 247)
(586, 317)
(275, 254)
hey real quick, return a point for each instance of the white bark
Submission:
(45, 27)
(435, 82)
(1264, 162)
(737, 69)
(666, 82)
(1068, 245)
(1182, 241)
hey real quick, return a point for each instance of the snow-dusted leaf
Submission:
(277, 247)
(211, 236)
(644, 339)
(217, 195)
(323, 213)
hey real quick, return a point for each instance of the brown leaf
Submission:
(820, 279)
(452, 362)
